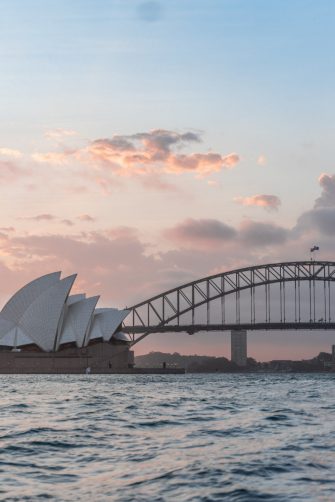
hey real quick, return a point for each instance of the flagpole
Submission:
(312, 250)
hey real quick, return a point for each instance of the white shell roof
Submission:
(75, 298)
(122, 337)
(95, 331)
(18, 303)
(5, 327)
(40, 320)
(15, 337)
(106, 321)
(42, 312)
(78, 320)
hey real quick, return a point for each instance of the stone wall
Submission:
(100, 358)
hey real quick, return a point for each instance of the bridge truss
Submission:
(290, 295)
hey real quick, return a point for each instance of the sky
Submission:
(144, 144)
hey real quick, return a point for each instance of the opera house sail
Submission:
(44, 329)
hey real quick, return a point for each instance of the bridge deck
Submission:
(307, 326)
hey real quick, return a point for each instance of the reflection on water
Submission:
(161, 438)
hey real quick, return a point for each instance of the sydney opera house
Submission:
(45, 329)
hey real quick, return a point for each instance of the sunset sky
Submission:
(145, 144)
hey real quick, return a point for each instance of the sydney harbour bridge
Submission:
(296, 295)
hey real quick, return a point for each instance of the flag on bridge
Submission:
(315, 248)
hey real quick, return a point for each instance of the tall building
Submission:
(239, 347)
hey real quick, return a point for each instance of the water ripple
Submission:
(167, 438)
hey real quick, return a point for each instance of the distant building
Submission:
(239, 347)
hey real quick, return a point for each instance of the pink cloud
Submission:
(118, 264)
(105, 183)
(10, 171)
(202, 164)
(212, 234)
(47, 217)
(157, 182)
(104, 261)
(10, 152)
(262, 160)
(213, 183)
(67, 222)
(260, 234)
(327, 197)
(114, 263)
(270, 202)
(39, 217)
(202, 233)
(7, 229)
(86, 218)
(59, 133)
(147, 154)
(125, 269)
(54, 158)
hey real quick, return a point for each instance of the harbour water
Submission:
(212, 437)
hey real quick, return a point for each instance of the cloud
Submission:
(54, 158)
(320, 220)
(47, 217)
(262, 160)
(269, 202)
(211, 233)
(202, 164)
(152, 152)
(10, 171)
(39, 217)
(161, 140)
(150, 158)
(107, 184)
(9, 152)
(118, 264)
(327, 197)
(7, 229)
(156, 182)
(86, 217)
(213, 183)
(67, 222)
(203, 232)
(50, 217)
(112, 262)
(147, 154)
(59, 133)
(115, 262)
(260, 234)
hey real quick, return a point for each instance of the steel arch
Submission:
(156, 313)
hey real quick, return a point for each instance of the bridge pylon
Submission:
(238, 340)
